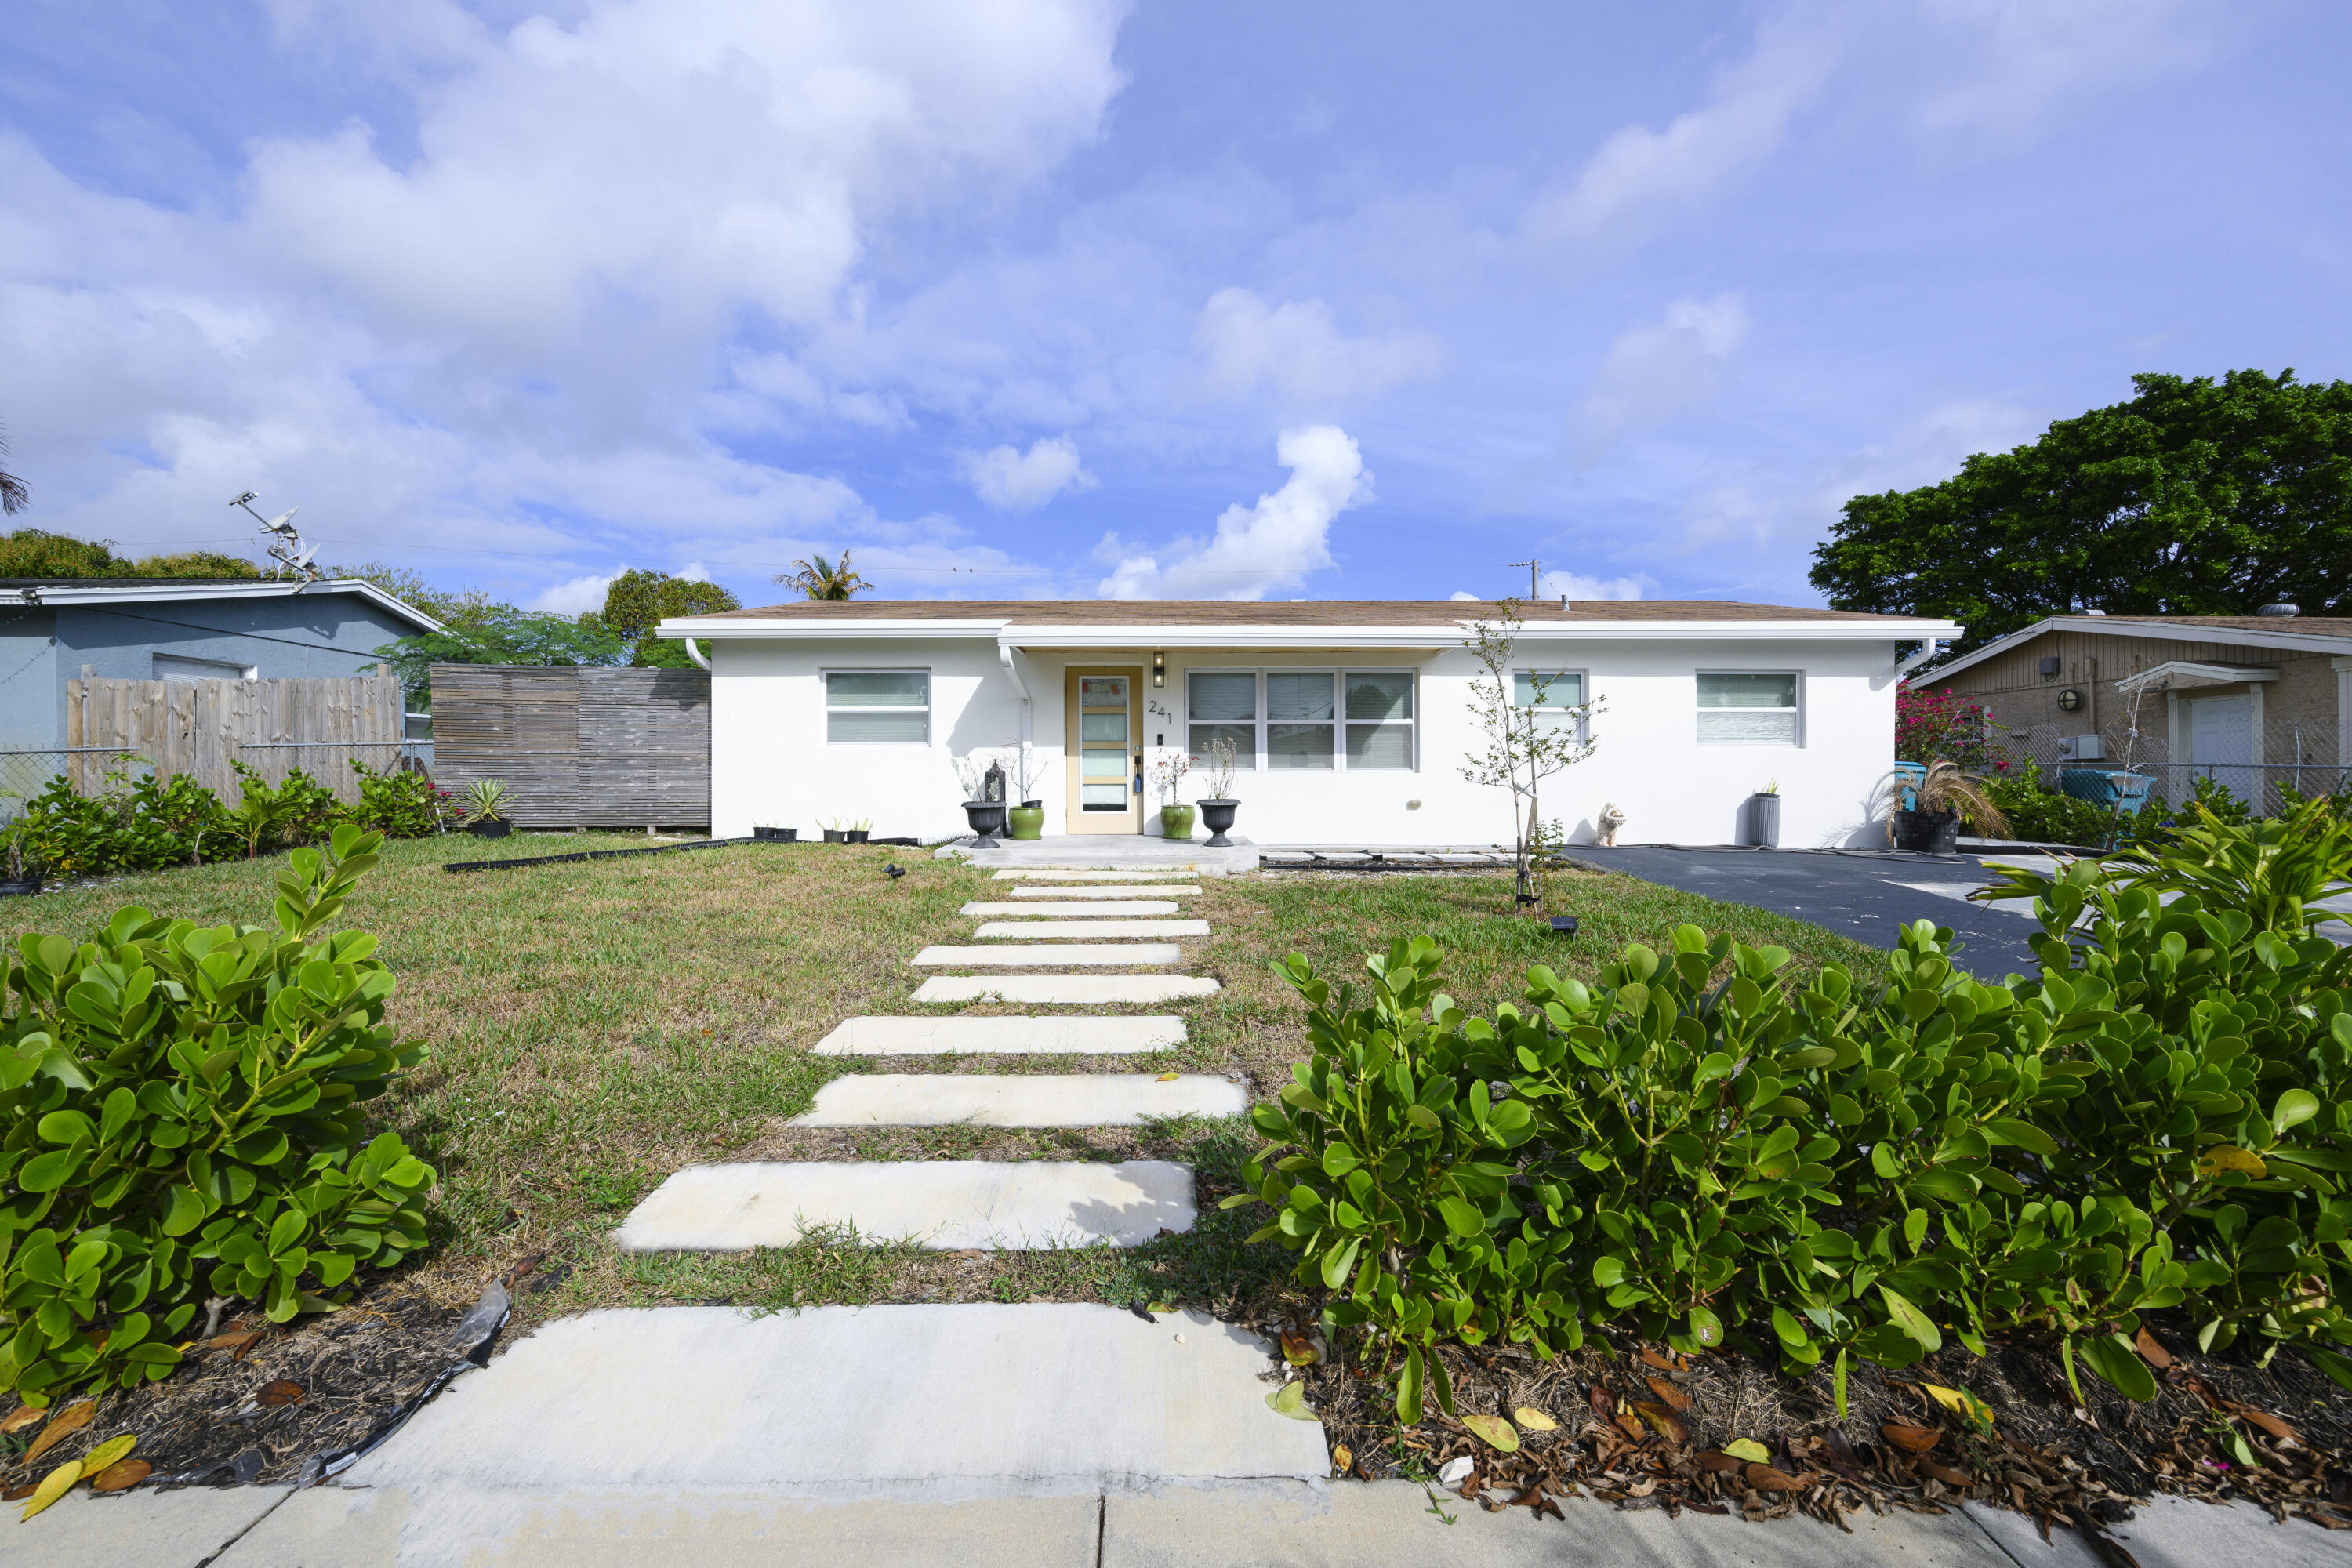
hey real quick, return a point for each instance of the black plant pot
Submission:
(855, 835)
(19, 887)
(490, 827)
(776, 835)
(1927, 832)
(835, 835)
(987, 819)
(1217, 815)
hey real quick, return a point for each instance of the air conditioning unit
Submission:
(2081, 749)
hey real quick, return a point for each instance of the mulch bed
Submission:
(1642, 1427)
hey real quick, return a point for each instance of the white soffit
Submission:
(2182, 675)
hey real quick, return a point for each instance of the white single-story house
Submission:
(1349, 719)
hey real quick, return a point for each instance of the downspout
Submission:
(1005, 657)
(695, 654)
(1928, 650)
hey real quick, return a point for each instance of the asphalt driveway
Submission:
(1868, 895)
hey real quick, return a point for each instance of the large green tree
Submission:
(36, 553)
(638, 601)
(2197, 497)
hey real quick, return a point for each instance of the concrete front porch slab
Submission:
(1059, 955)
(843, 1403)
(1037, 874)
(1087, 929)
(940, 1205)
(1049, 1035)
(1111, 852)
(1019, 1099)
(1066, 990)
(1085, 908)
(629, 1527)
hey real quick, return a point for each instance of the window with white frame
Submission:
(1749, 708)
(1354, 719)
(877, 707)
(1556, 698)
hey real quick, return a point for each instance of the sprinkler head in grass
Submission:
(896, 871)
(1564, 925)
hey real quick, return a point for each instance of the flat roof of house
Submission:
(59, 591)
(2293, 633)
(1283, 612)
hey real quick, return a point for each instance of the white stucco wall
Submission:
(771, 763)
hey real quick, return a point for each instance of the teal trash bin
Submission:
(2106, 786)
(1908, 777)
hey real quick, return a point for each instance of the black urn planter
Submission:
(855, 836)
(1927, 832)
(490, 827)
(1217, 815)
(19, 887)
(987, 819)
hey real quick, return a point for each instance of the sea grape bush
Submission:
(2161, 1118)
(148, 824)
(182, 1115)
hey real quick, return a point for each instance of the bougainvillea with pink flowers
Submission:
(1930, 726)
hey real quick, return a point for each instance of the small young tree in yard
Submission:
(1524, 742)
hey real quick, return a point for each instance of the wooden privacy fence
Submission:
(578, 748)
(205, 727)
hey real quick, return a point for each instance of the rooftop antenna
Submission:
(1535, 589)
(285, 546)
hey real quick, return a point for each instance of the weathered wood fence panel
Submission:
(205, 727)
(578, 748)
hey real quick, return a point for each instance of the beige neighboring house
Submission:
(2253, 701)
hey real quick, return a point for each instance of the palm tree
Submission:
(822, 579)
(14, 496)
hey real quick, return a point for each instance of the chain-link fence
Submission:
(2295, 758)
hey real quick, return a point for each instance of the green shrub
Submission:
(397, 805)
(183, 1118)
(2158, 1118)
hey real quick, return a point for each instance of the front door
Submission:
(1106, 751)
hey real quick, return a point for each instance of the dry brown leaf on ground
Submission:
(1910, 1439)
(1765, 1479)
(2157, 1356)
(19, 1492)
(68, 1422)
(54, 1485)
(24, 1416)
(1670, 1397)
(1298, 1350)
(1945, 1473)
(278, 1391)
(1663, 1421)
(1652, 1358)
(2267, 1421)
(1721, 1463)
(121, 1475)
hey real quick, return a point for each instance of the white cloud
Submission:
(579, 594)
(1293, 350)
(1575, 585)
(1997, 70)
(1652, 373)
(1012, 480)
(1258, 549)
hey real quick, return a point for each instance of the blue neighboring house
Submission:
(168, 628)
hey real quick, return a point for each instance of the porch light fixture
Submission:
(1159, 670)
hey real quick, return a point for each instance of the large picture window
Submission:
(1556, 698)
(877, 707)
(1747, 708)
(1356, 718)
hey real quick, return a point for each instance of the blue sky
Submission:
(1024, 297)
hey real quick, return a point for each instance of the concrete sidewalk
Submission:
(1347, 1524)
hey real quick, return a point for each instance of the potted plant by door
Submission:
(983, 798)
(25, 869)
(485, 809)
(1169, 766)
(1028, 818)
(1217, 807)
(1945, 795)
(1764, 816)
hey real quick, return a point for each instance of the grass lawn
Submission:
(595, 1026)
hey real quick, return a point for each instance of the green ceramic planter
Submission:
(1176, 822)
(1028, 821)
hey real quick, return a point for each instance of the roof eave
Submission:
(226, 588)
(1198, 636)
(2168, 631)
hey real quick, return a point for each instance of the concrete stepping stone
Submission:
(1039, 874)
(940, 1205)
(1052, 955)
(1065, 990)
(1048, 1035)
(1077, 907)
(1156, 891)
(1019, 1099)
(845, 1404)
(1087, 930)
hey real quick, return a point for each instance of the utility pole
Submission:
(1535, 589)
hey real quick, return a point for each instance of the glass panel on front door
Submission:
(1103, 782)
